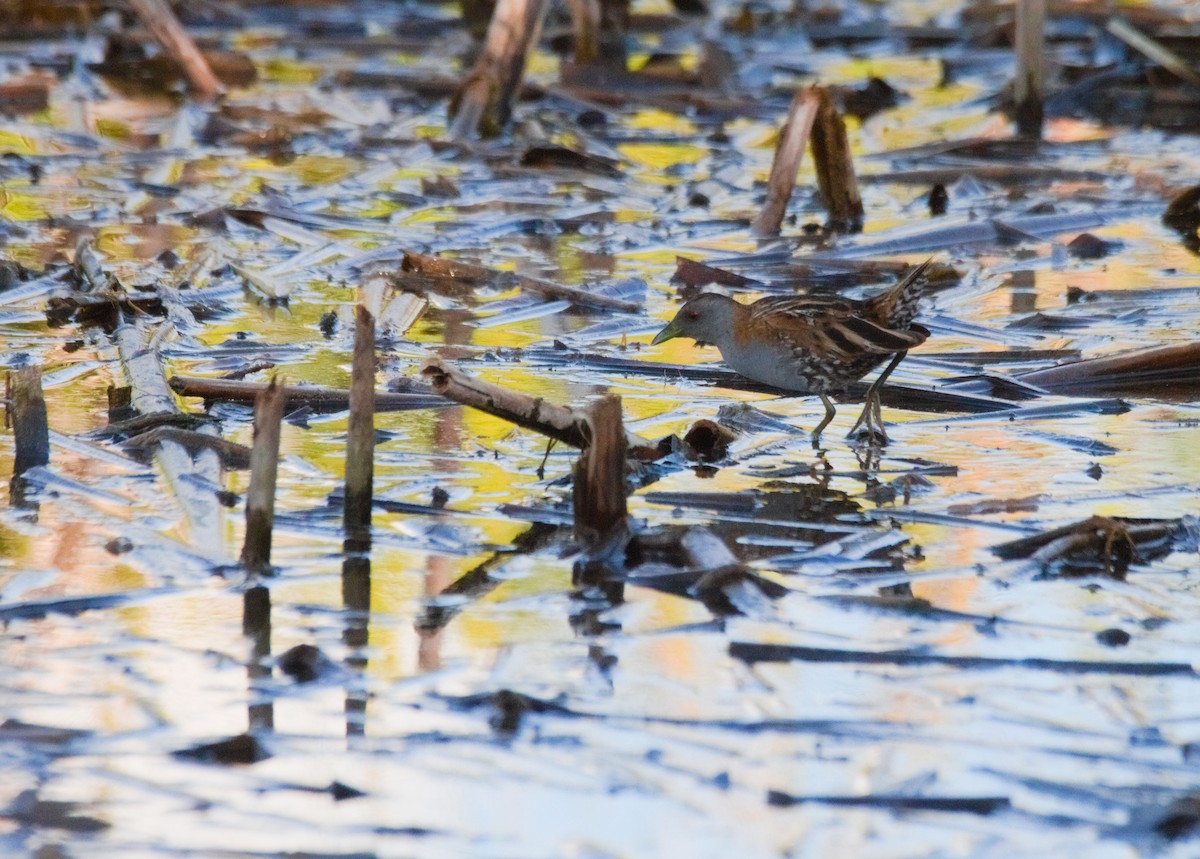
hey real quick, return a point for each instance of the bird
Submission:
(811, 344)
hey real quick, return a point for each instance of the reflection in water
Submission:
(356, 597)
(256, 625)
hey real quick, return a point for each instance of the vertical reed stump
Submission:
(360, 434)
(1029, 43)
(599, 484)
(264, 465)
(585, 28)
(165, 27)
(835, 166)
(483, 104)
(27, 414)
(614, 24)
(788, 152)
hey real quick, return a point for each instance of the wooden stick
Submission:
(1029, 43)
(483, 105)
(162, 23)
(314, 396)
(360, 434)
(31, 430)
(264, 465)
(575, 295)
(788, 152)
(614, 24)
(558, 422)
(138, 349)
(599, 485)
(1153, 50)
(585, 26)
(232, 455)
(835, 166)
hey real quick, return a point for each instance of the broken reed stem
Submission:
(835, 166)
(166, 28)
(553, 421)
(264, 464)
(483, 104)
(1164, 364)
(599, 484)
(1153, 50)
(360, 434)
(313, 396)
(788, 152)
(1029, 44)
(614, 24)
(585, 26)
(27, 413)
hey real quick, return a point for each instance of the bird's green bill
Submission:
(668, 333)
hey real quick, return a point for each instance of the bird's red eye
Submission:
(692, 314)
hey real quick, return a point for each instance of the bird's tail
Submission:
(897, 307)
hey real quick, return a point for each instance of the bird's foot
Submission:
(869, 426)
(870, 435)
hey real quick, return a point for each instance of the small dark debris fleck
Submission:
(1113, 637)
(328, 324)
(939, 199)
(118, 545)
(1095, 471)
(592, 119)
(1088, 246)
(1181, 818)
(439, 497)
(1076, 295)
(341, 791)
(242, 749)
(304, 663)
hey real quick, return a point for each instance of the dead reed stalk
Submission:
(264, 465)
(788, 152)
(360, 434)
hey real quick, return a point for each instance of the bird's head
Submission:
(706, 319)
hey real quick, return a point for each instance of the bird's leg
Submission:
(871, 418)
(830, 411)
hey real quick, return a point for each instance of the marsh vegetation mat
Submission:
(977, 640)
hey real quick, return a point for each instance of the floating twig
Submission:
(318, 397)
(233, 455)
(962, 804)
(755, 653)
(1100, 544)
(553, 421)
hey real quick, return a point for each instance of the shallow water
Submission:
(650, 738)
